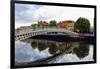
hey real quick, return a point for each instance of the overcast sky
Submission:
(26, 14)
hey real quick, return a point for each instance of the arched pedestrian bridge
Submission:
(24, 34)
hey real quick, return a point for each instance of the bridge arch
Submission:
(24, 35)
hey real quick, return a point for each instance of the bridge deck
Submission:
(21, 35)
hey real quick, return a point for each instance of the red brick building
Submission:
(68, 24)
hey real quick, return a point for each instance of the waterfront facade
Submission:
(42, 23)
(68, 24)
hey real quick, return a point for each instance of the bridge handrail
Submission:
(53, 29)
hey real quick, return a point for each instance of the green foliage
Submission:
(53, 23)
(41, 46)
(82, 24)
(34, 25)
(34, 44)
(82, 50)
(52, 48)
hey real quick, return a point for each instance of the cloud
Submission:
(18, 24)
(65, 13)
(25, 13)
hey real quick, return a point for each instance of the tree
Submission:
(53, 23)
(41, 46)
(34, 44)
(52, 48)
(34, 26)
(82, 25)
(82, 51)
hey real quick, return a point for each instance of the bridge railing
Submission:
(26, 33)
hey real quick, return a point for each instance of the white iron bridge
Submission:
(24, 34)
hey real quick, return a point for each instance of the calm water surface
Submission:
(32, 50)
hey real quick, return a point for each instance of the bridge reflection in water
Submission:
(32, 51)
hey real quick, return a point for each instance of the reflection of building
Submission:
(68, 24)
(61, 46)
(79, 49)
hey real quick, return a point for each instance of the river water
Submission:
(31, 50)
